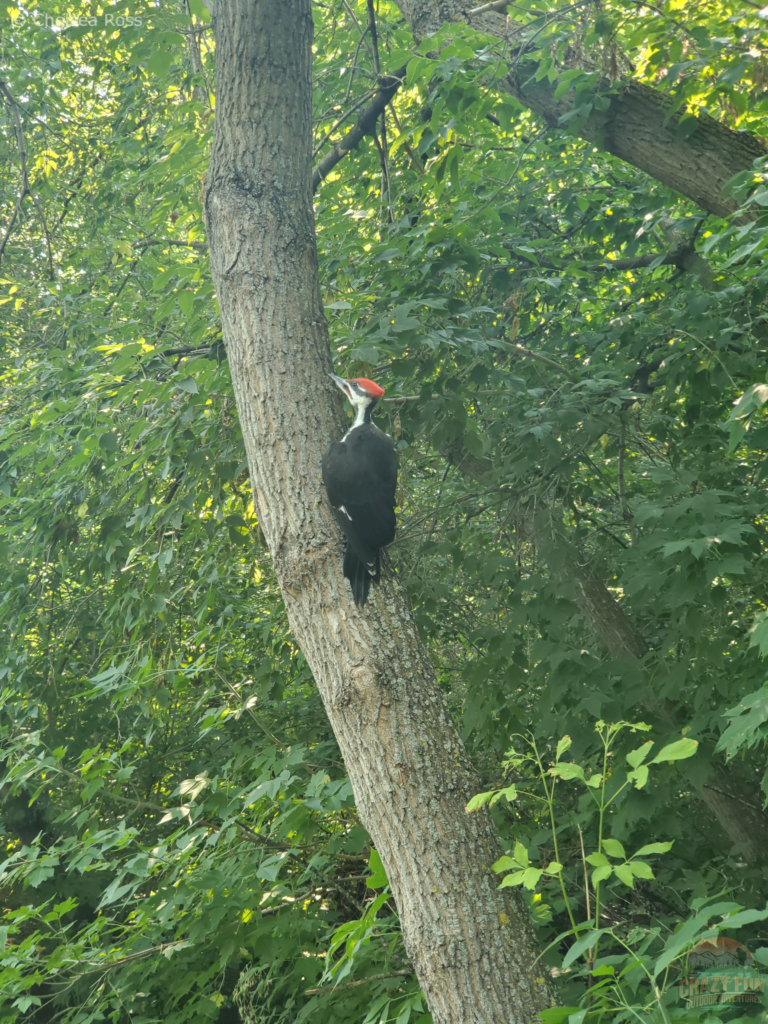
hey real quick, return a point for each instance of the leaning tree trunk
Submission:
(737, 809)
(636, 127)
(471, 944)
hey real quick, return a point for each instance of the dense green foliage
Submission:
(179, 836)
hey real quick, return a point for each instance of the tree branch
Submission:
(353, 69)
(26, 189)
(496, 5)
(341, 121)
(354, 984)
(374, 37)
(11, 103)
(638, 126)
(366, 125)
(543, 359)
(624, 641)
(202, 246)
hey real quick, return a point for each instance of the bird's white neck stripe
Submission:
(359, 420)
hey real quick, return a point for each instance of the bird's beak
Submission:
(339, 382)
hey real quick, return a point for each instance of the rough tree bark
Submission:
(633, 128)
(472, 945)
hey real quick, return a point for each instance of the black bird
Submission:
(360, 477)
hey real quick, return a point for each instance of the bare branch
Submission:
(341, 121)
(374, 37)
(354, 984)
(366, 125)
(417, 163)
(496, 5)
(635, 262)
(25, 191)
(186, 350)
(353, 69)
(174, 241)
(543, 359)
(74, 189)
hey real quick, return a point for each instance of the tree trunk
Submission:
(633, 128)
(737, 809)
(471, 944)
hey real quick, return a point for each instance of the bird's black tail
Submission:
(358, 574)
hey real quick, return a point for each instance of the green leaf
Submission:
(514, 879)
(366, 354)
(686, 127)
(736, 70)
(567, 82)
(581, 946)
(378, 877)
(160, 61)
(639, 777)
(397, 58)
(689, 933)
(746, 727)
(753, 399)
(478, 800)
(641, 869)
(521, 854)
(23, 1003)
(636, 757)
(531, 877)
(743, 917)
(563, 745)
(625, 874)
(198, 8)
(109, 443)
(614, 848)
(418, 68)
(677, 751)
(505, 864)
(510, 793)
(186, 301)
(597, 859)
(567, 770)
(601, 873)
(606, 970)
(759, 635)
(557, 1014)
(644, 851)
(161, 280)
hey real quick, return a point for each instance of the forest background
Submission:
(574, 354)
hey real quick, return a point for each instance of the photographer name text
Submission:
(85, 21)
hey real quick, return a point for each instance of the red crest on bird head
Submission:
(373, 389)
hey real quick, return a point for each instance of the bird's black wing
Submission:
(360, 477)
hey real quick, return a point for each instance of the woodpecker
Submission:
(360, 477)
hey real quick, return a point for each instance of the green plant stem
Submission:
(606, 746)
(551, 806)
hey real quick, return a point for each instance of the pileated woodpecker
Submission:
(360, 477)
